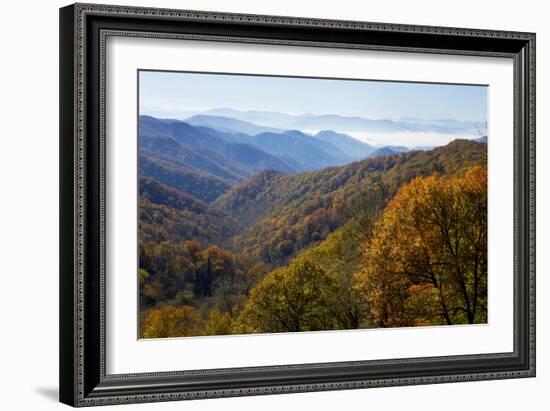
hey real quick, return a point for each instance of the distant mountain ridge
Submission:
(388, 150)
(236, 155)
(347, 123)
(350, 146)
(204, 149)
(383, 151)
(309, 152)
(230, 125)
(341, 146)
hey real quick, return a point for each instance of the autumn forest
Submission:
(248, 229)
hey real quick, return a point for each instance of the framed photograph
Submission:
(262, 204)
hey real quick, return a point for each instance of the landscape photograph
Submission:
(272, 204)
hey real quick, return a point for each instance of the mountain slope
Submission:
(350, 146)
(388, 151)
(203, 186)
(241, 154)
(398, 149)
(168, 214)
(182, 155)
(297, 150)
(308, 152)
(285, 213)
(383, 151)
(204, 149)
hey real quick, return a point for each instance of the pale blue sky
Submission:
(174, 94)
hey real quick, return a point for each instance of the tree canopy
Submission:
(300, 297)
(391, 241)
(427, 260)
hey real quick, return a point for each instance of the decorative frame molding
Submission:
(83, 32)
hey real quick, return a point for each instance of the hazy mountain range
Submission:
(231, 150)
(284, 121)
(204, 184)
(208, 155)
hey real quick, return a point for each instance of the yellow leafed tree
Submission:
(426, 262)
(171, 321)
(300, 297)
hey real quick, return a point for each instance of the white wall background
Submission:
(29, 204)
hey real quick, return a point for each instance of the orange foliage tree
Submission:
(426, 262)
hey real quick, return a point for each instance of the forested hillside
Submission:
(166, 214)
(201, 185)
(285, 213)
(236, 237)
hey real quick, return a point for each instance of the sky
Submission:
(174, 94)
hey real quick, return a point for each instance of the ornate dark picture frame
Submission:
(83, 30)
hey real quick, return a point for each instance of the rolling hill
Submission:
(384, 151)
(270, 195)
(236, 155)
(204, 149)
(166, 214)
(308, 152)
(212, 255)
(286, 213)
(295, 148)
(203, 186)
(181, 155)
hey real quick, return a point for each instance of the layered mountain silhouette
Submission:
(350, 146)
(204, 149)
(206, 155)
(259, 193)
(225, 151)
(230, 125)
(388, 150)
(347, 123)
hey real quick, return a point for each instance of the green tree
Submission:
(300, 297)
(218, 323)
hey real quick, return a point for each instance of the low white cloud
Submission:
(407, 139)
